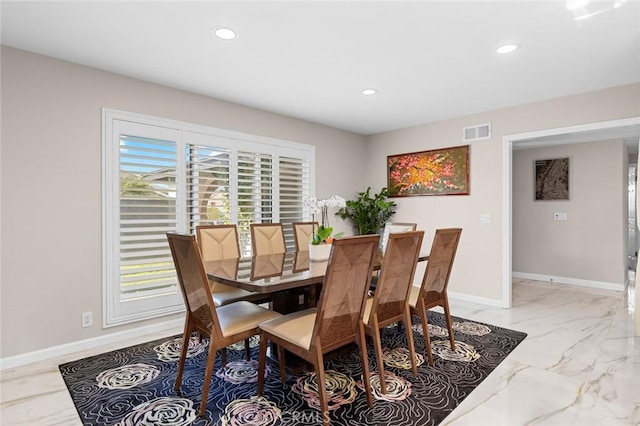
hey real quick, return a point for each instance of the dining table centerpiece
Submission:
(320, 245)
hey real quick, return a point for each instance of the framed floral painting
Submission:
(437, 172)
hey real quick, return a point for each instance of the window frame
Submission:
(115, 313)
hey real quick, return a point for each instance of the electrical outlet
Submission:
(87, 319)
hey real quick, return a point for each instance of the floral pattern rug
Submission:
(134, 385)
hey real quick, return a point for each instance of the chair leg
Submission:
(223, 357)
(186, 336)
(412, 347)
(208, 372)
(262, 361)
(247, 350)
(318, 361)
(377, 344)
(283, 367)
(422, 311)
(366, 375)
(447, 316)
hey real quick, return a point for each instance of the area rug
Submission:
(134, 386)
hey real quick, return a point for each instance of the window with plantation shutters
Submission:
(163, 176)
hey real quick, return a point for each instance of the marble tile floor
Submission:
(579, 365)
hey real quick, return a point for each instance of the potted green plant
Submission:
(369, 214)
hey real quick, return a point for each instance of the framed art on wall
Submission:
(552, 179)
(437, 172)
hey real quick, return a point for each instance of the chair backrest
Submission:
(303, 234)
(193, 282)
(443, 251)
(267, 238)
(396, 275)
(344, 290)
(394, 227)
(218, 242)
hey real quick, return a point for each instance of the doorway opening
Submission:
(623, 128)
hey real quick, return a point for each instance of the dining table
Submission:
(291, 278)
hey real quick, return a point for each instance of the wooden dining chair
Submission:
(303, 234)
(433, 291)
(218, 242)
(267, 238)
(390, 302)
(337, 320)
(223, 325)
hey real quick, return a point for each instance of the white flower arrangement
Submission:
(315, 205)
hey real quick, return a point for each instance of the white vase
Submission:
(319, 253)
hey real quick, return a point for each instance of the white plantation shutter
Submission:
(208, 195)
(293, 185)
(161, 176)
(140, 180)
(255, 194)
(147, 212)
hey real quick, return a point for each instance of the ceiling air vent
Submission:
(476, 133)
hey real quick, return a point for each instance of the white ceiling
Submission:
(430, 60)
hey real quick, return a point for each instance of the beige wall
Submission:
(51, 184)
(592, 244)
(478, 271)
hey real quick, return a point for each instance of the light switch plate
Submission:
(485, 218)
(559, 216)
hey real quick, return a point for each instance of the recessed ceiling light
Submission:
(507, 48)
(368, 92)
(224, 33)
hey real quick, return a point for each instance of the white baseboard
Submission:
(94, 342)
(571, 281)
(475, 299)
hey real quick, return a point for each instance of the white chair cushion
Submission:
(224, 294)
(295, 328)
(242, 316)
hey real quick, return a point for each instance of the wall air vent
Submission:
(476, 133)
